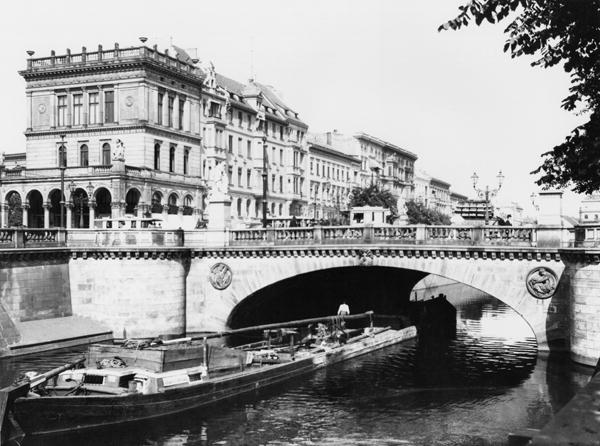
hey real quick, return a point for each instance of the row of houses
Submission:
(138, 131)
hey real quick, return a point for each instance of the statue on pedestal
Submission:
(219, 183)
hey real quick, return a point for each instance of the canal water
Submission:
(472, 390)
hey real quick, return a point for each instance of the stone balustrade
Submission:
(31, 238)
(513, 236)
(417, 234)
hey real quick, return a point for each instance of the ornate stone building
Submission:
(137, 132)
(122, 126)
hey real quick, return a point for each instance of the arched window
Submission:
(173, 208)
(156, 206)
(272, 209)
(186, 161)
(248, 207)
(83, 156)
(157, 156)
(188, 205)
(239, 207)
(280, 209)
(106, 154)
(62, 156)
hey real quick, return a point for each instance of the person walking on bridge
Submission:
(343, 309)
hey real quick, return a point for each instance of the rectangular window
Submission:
(230, 144)
(83, 156)
(248, 178)
(61, 111)
(161, 99)
(281, 184)
(172, 159)
(94, 108)
(181, 106)
(170, 116)
(157, 156)
(109, 106)
(281, 132)
(249, 122)
(281, 156)
(273, 153)
(249, 149)
(273, 182)
(186, 161)
(239, 175)
(239, 147)
(311, 166)
(240, 119)
(77, 109)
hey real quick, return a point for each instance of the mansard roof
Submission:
(230, 85)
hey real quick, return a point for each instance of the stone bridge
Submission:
(178, 281)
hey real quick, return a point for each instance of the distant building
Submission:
(333, 174)
(589, 211)
(433, 192)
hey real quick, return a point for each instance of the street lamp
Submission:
(326, 188)
(315, 203)
(62, 161)
(487, 193)
(265, 182)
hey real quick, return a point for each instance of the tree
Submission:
(556, 32)
(374, 196)
(418, 213)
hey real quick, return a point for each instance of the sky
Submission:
(378, 66)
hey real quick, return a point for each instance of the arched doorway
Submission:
(15, 209)
(55, 206)
(156, 206)
(80, 217)
(35, 216)
(103, 203)
(173, 207)
(132, 199)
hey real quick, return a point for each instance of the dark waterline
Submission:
(473, 390)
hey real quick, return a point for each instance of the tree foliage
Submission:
(374, 196)
(555, 32)
(418, 213)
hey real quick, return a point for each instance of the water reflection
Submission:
(472, 390)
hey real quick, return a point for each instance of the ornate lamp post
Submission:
(487, 193)
(326, 187)
(265, 182)
(62, 165)
(315, 202)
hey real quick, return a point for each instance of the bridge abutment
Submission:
(584, 309)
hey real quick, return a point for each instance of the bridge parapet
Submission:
(31, 238)
(417, 234)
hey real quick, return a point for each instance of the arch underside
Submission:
(270, 281)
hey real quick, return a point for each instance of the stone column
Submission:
(46, 207)
(4, 208)
(92, 206)
(25, 214)
(69, 207)
(115, 210)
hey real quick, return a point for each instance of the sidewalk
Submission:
(50, 334)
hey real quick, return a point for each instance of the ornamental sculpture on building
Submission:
(220, 276)
(541, 282)
(219, 182)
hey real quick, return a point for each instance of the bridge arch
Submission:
(503, 277)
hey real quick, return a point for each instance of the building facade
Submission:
(136, 132)
(333, 174)
(121, 127)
